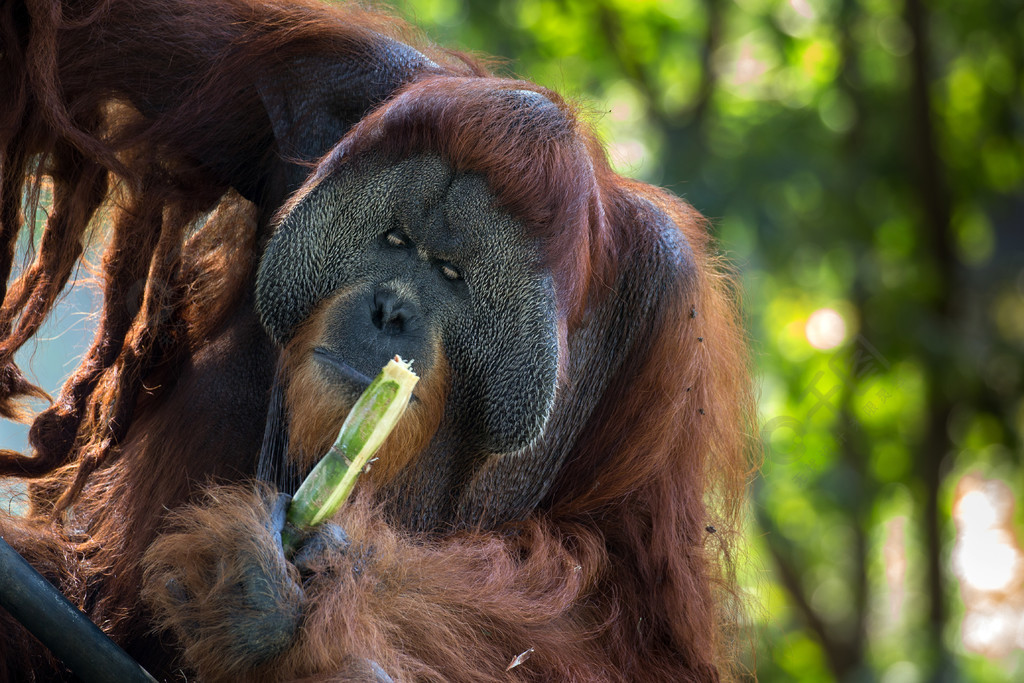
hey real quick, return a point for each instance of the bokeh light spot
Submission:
(825, 329)
(989, 563)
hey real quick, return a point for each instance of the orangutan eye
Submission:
(396, 239)
(450, 272)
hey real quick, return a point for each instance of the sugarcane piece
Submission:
(331, 481)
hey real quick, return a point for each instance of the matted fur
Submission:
(614, 575)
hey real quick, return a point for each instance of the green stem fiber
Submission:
(369, 422)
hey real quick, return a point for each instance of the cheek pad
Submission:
(319, 245)
(288, 281)
(504, 364)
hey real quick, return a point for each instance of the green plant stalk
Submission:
(331, 481)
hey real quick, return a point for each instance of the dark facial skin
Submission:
(413, 259)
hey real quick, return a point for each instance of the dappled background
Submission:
(863, 165)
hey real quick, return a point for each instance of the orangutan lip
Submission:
(345, 370)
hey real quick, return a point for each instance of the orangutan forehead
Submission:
(526, 141)
(475, 124)
(533, 107)
(443, 209)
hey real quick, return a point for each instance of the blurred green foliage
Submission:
(865, 156)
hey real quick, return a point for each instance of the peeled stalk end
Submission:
(371, 419)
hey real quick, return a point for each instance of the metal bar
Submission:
(42, 609)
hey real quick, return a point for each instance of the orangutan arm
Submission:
(457, 609)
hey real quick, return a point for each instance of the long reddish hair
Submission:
(653, 490)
